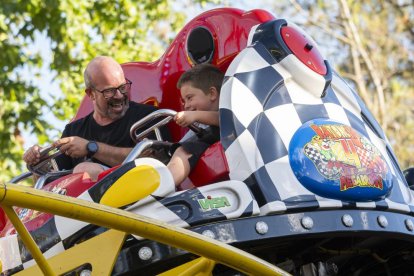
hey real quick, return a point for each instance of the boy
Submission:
(200, 92)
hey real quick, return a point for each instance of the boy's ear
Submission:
(214, 94)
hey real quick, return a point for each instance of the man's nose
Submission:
(118, 94)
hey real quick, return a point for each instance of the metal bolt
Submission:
(85, 272)
(145, 253)
(409, 224)
(382, 221)
(347, 220)
(307, 222)
(209, 233)
(261, 227)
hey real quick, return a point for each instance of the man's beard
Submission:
(112, 103)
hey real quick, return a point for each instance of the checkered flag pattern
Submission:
(263, 103)
(364, 156)
(312, 153)
(320, 162)
(329, 169)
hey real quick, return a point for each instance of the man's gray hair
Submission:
(87, 79)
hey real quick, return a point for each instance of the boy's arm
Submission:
(185, 118)
(210, 118)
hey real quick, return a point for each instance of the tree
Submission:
(370, 43)
(77, 31)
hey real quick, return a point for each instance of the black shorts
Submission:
(197, 145)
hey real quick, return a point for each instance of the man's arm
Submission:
(75, 147)
(111, 155)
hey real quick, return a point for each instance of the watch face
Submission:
(92, 148)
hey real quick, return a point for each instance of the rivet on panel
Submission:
(145, 253)
(261, 227)
(307, 222)
(409, 224)
(347, 220)
(209, 233)
(382, 221)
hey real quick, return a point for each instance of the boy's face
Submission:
(195, 99)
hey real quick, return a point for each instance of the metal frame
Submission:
(306, 230)
(126, 222)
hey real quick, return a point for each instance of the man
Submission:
(103, 135)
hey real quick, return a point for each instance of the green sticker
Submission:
(214, 203)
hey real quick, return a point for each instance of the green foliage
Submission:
(387, 69)
(76, 31)
(370, 43)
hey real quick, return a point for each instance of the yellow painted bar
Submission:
(135, 224)
(100, 251)
(28, 241)
(200, 267)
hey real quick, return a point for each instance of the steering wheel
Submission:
(46, 162)
(150, 123)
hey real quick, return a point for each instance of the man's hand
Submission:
(73, 146)
(32, 155)
(185, 118)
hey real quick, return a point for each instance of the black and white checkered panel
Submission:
(263, 103)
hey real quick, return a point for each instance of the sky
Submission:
(46, 85)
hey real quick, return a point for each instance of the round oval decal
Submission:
(333, 160)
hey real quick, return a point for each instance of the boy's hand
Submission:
(185, 118)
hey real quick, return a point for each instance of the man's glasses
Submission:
(110, 92)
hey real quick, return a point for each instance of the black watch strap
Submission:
(92, 148)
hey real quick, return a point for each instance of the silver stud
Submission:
(85, 272)
(145, 253)
(307, 222)
(209, 233)
(409, 224)
(382, 221)
(261, 227)
(347, 220)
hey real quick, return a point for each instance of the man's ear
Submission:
(214, 94)
(88, 92)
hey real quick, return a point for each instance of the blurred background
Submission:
(45, 46)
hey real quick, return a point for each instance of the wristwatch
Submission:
(92, 148)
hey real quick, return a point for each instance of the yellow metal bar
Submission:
(199, 267)
(135, 224)
(100, 251)
(28, 241)
(203, 267)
